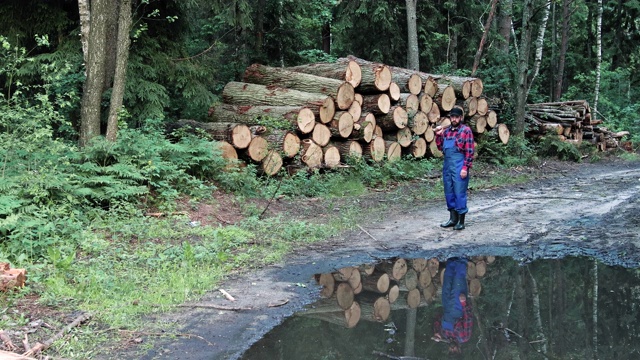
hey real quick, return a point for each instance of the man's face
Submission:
(455, 120)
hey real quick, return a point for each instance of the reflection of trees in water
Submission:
(505, 325)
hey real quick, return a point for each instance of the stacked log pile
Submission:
(11, 278)
(370, 292)
(317, 115)
(571, 121)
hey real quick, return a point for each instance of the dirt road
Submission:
(591, 210)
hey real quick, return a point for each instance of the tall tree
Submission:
(505, 24)
(540, 44)
(413, 53)
(485, 33)
(93, 85)
(564, 45)
(523, 66)
(120, 72)
(599, 58)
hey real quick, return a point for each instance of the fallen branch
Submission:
(166, 334)
(161, 214)
(213, 306)
(6, 340)
(39, 347)
(7, 355)
(282, 302)
(227, 295)
(366, 232)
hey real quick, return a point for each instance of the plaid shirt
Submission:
(462, 328)
(464, 142)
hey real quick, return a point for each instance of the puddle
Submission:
(543, 309)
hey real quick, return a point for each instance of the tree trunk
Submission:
(487, 24)
(413, 53)
(505, 25)
(599, 58)
(564, 45)
(120, 76)
(85, 22)
(539, 45)
(93, 85)
(523, 66)
(341, 91)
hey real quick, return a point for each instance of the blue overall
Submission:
(454, 283)
(455, 187)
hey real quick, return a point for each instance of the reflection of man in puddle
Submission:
(455, 324)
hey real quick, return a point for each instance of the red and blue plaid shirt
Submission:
(461, 329)
(464, 141)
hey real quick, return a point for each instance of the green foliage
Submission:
(518, 151)
(551, 146)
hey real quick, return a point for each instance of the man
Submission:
(456, 323)
(456, 143)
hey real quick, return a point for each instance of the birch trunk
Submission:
(539, 45)
(120, 77)
(599, 54)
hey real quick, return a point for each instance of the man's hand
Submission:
(438, 130)
(463, 173)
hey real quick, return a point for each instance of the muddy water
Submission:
(570, 308)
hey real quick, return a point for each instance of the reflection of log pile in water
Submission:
(371, 291)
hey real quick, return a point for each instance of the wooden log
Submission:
(426, 102)
(434, 114)
(410, 102)
(381, 309)
(430, 86)
(272, 163)
(469, 106)
(286, 141)
(408, 81)
(475, 287)
(331, 157)
(445, 97)
(377, 104)
(330, 313)
(419, 264)
(481, 268)
(377, 282)
(240, 93)
(429, 293)
(302, 118)
(258, 148)
(478, 123)
(355, 110)
(429, 135)
(376, 77)
(397, 118)
(424, 279)
(342, 91)
(433, 150)
(492, 119)
(374, 150)
(410, 279)
(12, 278)
(433, 264)
(228, 152)
(311, 153)
(503, 133)
(341, 125)
(413, 298)
(343, 69)
(238, 135)
(403, 137)
(394, 91)
(418, 148)
(327, 282)
(471, 270)
(395, 269)
(418, 123)
(364, 128)
(394, 292)
(321, 134)
(358, 98)
(393, 151)
(349, 149)
(482, 106)
(344, 295)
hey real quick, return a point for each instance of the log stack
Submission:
(11, 278)
(317, 115)
(370, 292)
(571, 121)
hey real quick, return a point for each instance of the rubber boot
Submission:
(460, 224)
(453, 219)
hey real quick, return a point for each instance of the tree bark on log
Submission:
(410, 102)
(344, 70)
(397, 118)
(393, 150)
(272, 163)
(342, 91)
(238, 135)
(375, 150)
(239, 93)
(377, 282)
(349, 148)
(478, 123)
(341, 125)
(311, 154)
(286, 141)
(378, 104)
(418, 148)
(301, 117)
(403, 137)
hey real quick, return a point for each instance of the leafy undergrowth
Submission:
(125, 270)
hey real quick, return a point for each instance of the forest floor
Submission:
(589, 209)
(566, 209)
